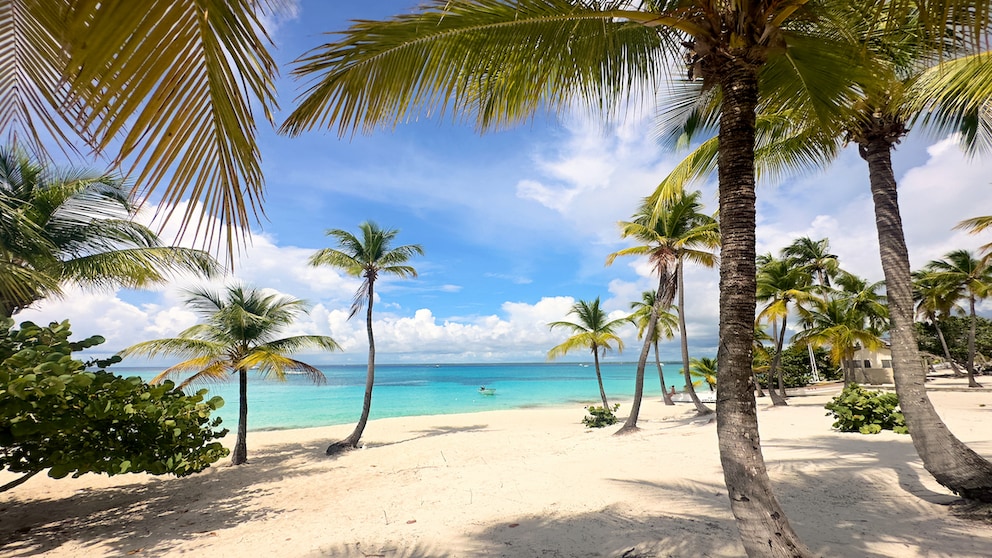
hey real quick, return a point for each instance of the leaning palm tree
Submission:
(64, 226)
(780, 284)
(665, 325)
(170, 91)
(593, 330)
(240, 333)
(676, 233)
(499, 61)
(935, 301)
(962, 273)
(367, 257)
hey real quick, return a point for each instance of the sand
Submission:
(522, 483)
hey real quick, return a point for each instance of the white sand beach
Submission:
(521, 483)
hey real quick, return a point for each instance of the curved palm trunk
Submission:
(352, 440)
(776, 398)
(761, 521)
(630, 425)
(240, 454)
(599, 376)
(971, 344)
(947, 351)
(680, 288)
(775, 370)
(665, 396)
(757, 384)
(951, 462)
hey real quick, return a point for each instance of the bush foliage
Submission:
(857, 409)
(796, 370)
(600, 416)
(56, 415)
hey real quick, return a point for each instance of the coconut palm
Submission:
(71, 226)
(499, 61)
(814, 256)
(782, 283)
(367, 256)
(665, 325)
(960, 272)
(170, 90)
(239, 334)
(593, 330)
(676, 233)
(977, 225)
(936, 300)
(705, 368)
(835, 322)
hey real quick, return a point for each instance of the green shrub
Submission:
(600, 416)
(869, 412)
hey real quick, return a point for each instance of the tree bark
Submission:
(352, 440)
(680, 288)
(19, 480)
(630, 425)
(599, 376)
(763, 526)
(240, 453)
(947, 351)
(665, 396)
(952, 463)
(773, 368)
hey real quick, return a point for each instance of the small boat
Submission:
(487, 391)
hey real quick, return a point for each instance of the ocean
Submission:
(423, 389)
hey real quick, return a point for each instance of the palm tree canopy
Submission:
(168, 91)
(780, 283)
(593, 330)
(667, 322)
(815, 256)
(962, 268)
(367, 257)
(240, 331)
(835, 322)
(74, 226)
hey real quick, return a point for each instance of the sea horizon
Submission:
(423, 389)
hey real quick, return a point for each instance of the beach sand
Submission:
(522, 483)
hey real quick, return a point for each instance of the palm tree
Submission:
(71, 226)
(499, 61)
(935, 300)
(366, 256)
(977, 225)
(171, 90)
(837, 323)
(594, 331)
(239, 333)
(670, 236)
(781, 283)
(962, 273)
(814, 256)
(705, 368)
(665, 324)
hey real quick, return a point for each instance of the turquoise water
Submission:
(412, 390)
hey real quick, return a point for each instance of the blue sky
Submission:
(516, 225)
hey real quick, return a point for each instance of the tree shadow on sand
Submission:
(153, 515)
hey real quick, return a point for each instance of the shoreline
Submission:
(515, 483)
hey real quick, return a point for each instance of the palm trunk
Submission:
(665, 396)
(952, 463)
(352, 440)
(599, 377)
(761, 521)
(947, 351)
(971, 344)
(757, 384)
(630, 425)
(240, 454)
(777, 398)
(680, 288)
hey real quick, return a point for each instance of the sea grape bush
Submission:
(600, 416)
(57, 415)
(857, 409)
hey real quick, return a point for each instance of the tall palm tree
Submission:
(72, 226)
(781, 283)
(240, 333)
(170, 91)
(936, 300)
(665, 325)
(705, 368)
(963, 273)
(366, 256)
(815, 257)
(594, 330)
(837, 323)
(499, 61)
(676, 233)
